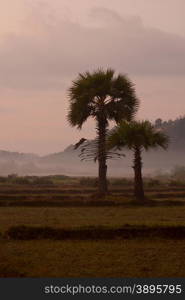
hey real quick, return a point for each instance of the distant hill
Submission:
(16, 155)
(68, 161)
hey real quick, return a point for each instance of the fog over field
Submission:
(68, 161)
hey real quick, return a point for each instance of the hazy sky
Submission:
(44, 44)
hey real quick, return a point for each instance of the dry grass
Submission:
(90, 216)
(130, 258)
(114, 258)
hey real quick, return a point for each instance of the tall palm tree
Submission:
(137, 136)
(104, 97)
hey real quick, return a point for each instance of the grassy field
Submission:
(133, 258)
(71, 217)
(59, 206)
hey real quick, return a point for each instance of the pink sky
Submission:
(44, 44)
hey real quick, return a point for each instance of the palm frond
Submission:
(101, 91)
(137, 134)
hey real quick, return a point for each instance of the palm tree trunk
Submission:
(138, 183)
(102, 157)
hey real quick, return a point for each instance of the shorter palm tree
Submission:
(137, 136)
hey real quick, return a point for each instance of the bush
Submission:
(3, 179)
(15, 179)
(177, 183)
(35, 180)
(152, 183)
(12, 176)
(89, 182)
(21, 180)
(42, 181)
(58, 177)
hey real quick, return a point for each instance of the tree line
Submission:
(105, 97)
(175, 129)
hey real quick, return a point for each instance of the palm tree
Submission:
(137, 136)
(104, 97)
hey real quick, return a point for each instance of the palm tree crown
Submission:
(141, 134)
(92, 92)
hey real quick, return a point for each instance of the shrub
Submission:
(58, 177)
(42, 181)
(174, 182)
(89, 182)
(21, 180)
(152, 183)
(12, 176)
(3, 179)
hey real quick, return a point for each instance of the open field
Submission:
(68, 205)
(133, 258)
(72, 217)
